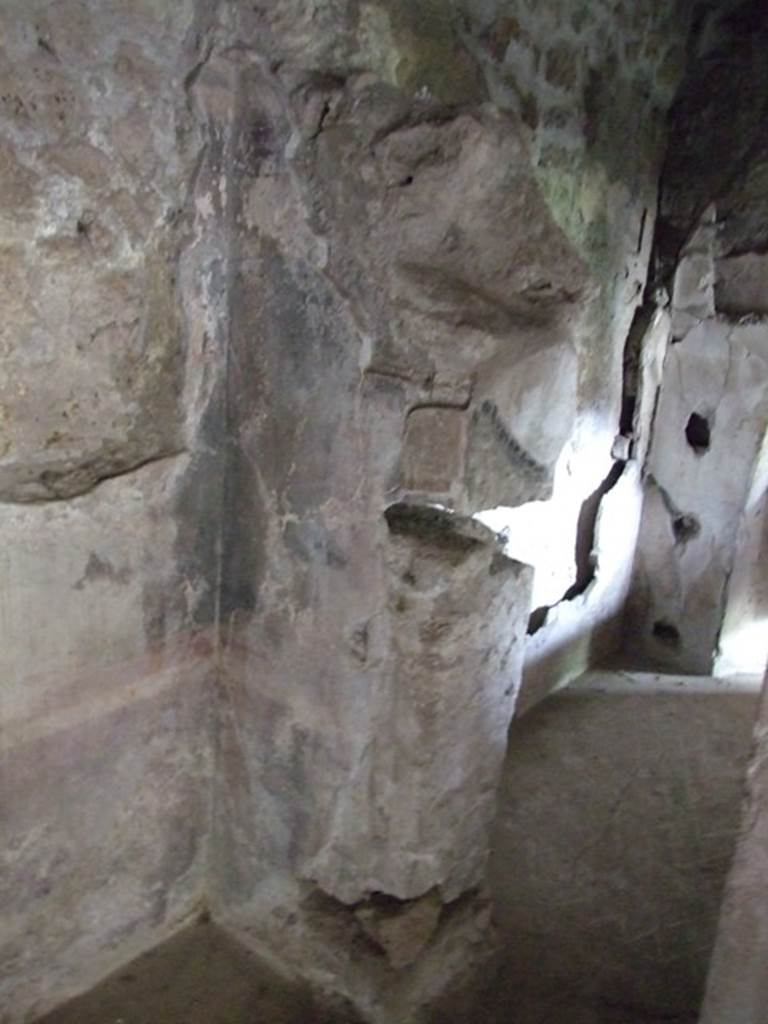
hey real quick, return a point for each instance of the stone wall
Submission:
(428, 318)
(592, 83)
(737, 988)
(108, 343)
(327, 365)
(697, 599)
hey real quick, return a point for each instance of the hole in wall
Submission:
(627, 419)
(431, 524)
(537, 619)
(630, 370)
(641, 232)
(666, 633)
(685, 528)
(586, 533)
(697, 433)
(524, 529)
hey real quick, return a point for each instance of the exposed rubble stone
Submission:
(402, 930)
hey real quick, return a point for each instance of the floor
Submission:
(618, 814)
(619, 810)
(199, 977)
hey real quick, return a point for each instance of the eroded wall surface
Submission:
(373, 643)
(428, 315)
(697, 599)
(106, 595)
(592, 82)
(308, 303)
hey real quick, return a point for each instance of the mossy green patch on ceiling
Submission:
(573, 191)
(413, 44)
(576, 190)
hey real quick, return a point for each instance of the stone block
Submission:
(433, 450)
(741, 285)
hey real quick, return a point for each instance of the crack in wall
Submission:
(64, 485)
(585, 555)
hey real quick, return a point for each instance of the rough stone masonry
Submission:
(307, 304)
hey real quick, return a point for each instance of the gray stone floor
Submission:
(619, 811)
(618, 814)
(199, 977)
